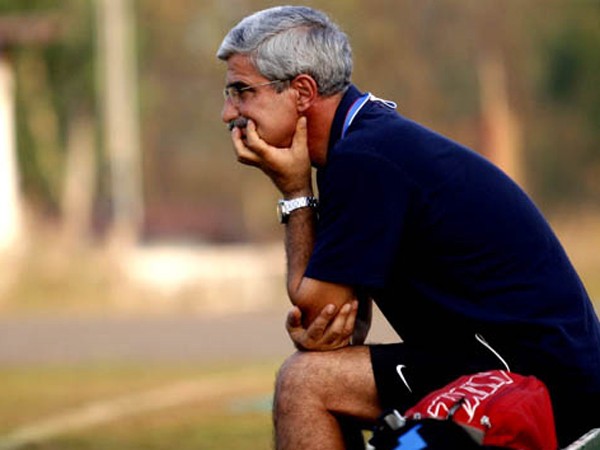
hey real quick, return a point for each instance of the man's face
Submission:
(274, 114)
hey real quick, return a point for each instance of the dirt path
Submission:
(147, 339)
(58, 340)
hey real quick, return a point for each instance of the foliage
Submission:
(55, 82)
(571, 85)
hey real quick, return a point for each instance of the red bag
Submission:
(498, 408)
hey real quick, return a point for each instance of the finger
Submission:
(294, 319)
(293, 325)
(244, 154)
(254, 141)
(318, 326)
(300, 136)
(351, 320)
(336, 328)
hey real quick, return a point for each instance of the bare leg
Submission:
(314, 388)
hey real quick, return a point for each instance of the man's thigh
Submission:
(361, 381)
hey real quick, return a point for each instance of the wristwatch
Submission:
(286, 207)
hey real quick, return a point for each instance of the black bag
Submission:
(393, 432)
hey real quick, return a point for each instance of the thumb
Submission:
(294, 318)
(300, 136)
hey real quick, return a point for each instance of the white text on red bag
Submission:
(499, 408)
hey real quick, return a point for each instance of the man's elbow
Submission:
(312, 296)
(309, 308)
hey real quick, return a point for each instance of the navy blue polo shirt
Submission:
(447, 245)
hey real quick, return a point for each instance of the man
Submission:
(456, 256)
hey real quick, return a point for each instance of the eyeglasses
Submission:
(234, 92)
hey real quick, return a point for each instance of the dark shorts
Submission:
(404, 374)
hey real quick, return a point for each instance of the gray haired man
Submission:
(457, 257)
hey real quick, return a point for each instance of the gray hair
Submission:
(286, 41)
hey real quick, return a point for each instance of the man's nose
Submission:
(229, 111)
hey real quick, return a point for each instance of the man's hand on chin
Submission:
(288, 168)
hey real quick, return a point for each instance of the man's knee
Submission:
(294, 372)
(296, 378)
(340, 380)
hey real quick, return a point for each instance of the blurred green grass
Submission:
(231, 419)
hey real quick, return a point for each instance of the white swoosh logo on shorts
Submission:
(399, 368)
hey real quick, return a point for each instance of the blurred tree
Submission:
(570, 85)
(424, 54)
(50, 79)
(16, 32)
(119, 83)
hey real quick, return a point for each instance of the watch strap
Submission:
(286, 207)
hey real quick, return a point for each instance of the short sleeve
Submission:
(363, 203)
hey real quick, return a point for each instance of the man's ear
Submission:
(307, 90)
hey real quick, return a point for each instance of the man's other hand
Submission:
(329, 331)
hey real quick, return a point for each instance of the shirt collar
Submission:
(350, 96)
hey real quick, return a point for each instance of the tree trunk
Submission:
(121, 123)
(79, 182)
(10, 202)
(501, 132)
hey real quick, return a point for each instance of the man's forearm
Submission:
(299, 244)
(310, 295)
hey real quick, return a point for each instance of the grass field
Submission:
(127, 407)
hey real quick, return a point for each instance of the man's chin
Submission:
(278, 143)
